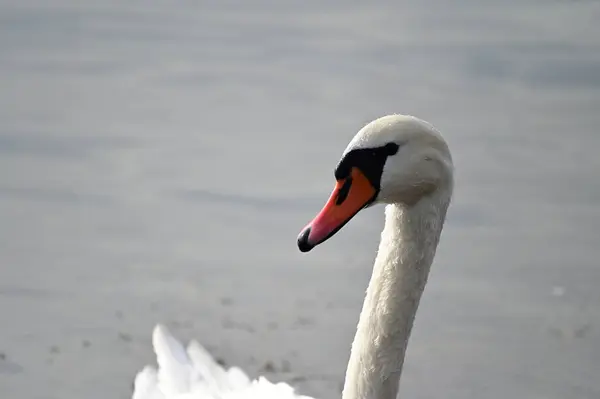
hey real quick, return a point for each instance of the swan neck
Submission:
(407, 248)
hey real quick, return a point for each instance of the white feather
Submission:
(194, 374)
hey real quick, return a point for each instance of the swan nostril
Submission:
(344, 191)
(303, 244)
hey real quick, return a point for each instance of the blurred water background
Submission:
(157, 160)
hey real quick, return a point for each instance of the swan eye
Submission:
(391, 148)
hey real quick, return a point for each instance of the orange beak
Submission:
(349, 196)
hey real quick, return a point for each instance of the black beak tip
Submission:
(303, 244)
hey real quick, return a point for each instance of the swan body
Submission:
(399, 161)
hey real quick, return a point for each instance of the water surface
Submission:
(157, 161)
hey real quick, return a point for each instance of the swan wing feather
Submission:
(193, 373)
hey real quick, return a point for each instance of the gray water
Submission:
(157, 160)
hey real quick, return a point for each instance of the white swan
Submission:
(397, 160)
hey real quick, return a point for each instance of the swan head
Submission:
(396, 159)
